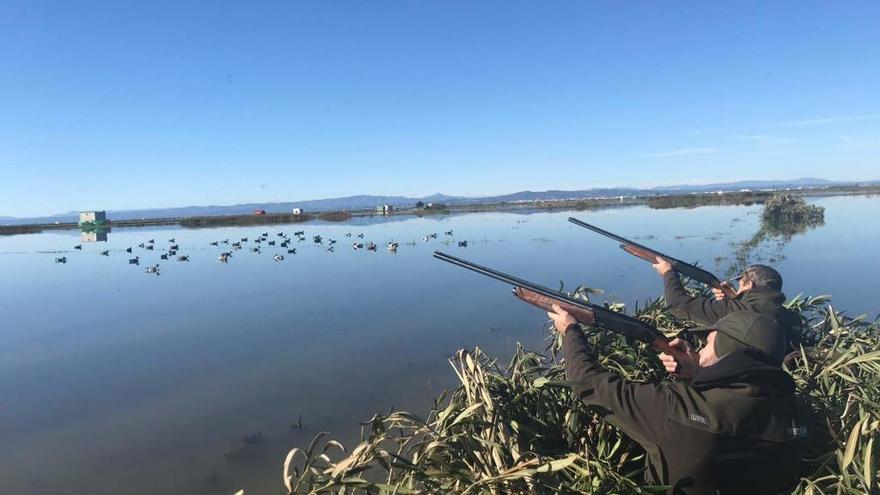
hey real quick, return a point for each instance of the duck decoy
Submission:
(462, 243)
(371, 246)
(171, 240)
(62, 259)
(300, 233)
(433, 236)
(173, 247)
(392, 247)
(271, 243)
(361, 236)
(128, 250)
(141, 245)
(183, 258)
(348, 234)
(224, 241)
(255, 250)
(215, 243)
(78, 246)
(149, 248)
(330, 249)
(134, 261)
(280, 234)
(163, 256)
(291, 251)
(106, 252)
(152, 241)
(278, 257)
(244, 239)
(298, 425)
(357, 245)
(153, 269)
(172, 252)
(332, 241)
(425, 238)
(224, 257)
(317, 239)
(448, 232)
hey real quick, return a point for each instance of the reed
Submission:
(516, 428)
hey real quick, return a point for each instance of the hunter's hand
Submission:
(561, 319)
(688, 361)
(726, 291)
(662, 266)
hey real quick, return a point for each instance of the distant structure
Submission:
(297, 211)
(384, 209)
(92, 218)
(259, 212)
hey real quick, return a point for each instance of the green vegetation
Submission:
(216, 221)
(706, 199)
(783, 216)
(517, 428)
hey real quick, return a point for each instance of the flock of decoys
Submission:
(282, 242)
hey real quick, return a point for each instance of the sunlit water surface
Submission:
(115, 381)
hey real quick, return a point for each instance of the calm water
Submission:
(117, 381)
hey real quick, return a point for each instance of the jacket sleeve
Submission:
(640, 410)
(700, 309)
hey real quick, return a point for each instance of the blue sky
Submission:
(146, 104)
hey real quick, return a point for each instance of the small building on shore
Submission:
(384, 209)
(259, 212)
(297, 211)
(92, 217)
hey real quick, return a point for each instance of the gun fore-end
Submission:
(546, 303)
(644, 254)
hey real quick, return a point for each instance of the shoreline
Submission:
(690, 200)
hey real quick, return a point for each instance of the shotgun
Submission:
(584, 312)
(651, 255)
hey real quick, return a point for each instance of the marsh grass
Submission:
(516, 428)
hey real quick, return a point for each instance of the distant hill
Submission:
(364, 201)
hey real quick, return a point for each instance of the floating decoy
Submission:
(330, 249)
(265, 234)
(392, 246)
(78, 246)
(291, 251)
(62, 259)
(149, 248)
(163, 256)
(253, 438)
(348, 234)
(224, 241)
(244, 239)
(278, 257)
(284, 244)
(361, 236)
(134, 261)
(298, 425)
(174, 247)
(172, 252)
(255, 250)
(280, 234)
(215, 243)
(183, 258)
(425, 238)
(153, 269)
(332, 241)
(300, 233)
(462, 243)
(433, 236)
(152, 241)
(105, 252)
(448, 232)
(128, 250)
(271, 243)
(141, 245)
(357, 245)
(371, 246)
(317, 239)
(171, 240)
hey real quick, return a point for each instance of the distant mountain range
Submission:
(364, 201)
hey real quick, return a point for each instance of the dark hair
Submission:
(764, 277)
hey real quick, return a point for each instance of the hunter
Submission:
(730, 429)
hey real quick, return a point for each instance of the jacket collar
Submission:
(744, 366)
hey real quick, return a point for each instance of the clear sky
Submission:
(133, 104)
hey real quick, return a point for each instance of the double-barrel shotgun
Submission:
(651, 255)
(582, 311)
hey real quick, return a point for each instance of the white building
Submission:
(297, 211)
(92, 216)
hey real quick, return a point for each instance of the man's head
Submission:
(743, 330)
(759, 277)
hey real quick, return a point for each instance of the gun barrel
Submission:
(682, 267)
(618, 322)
